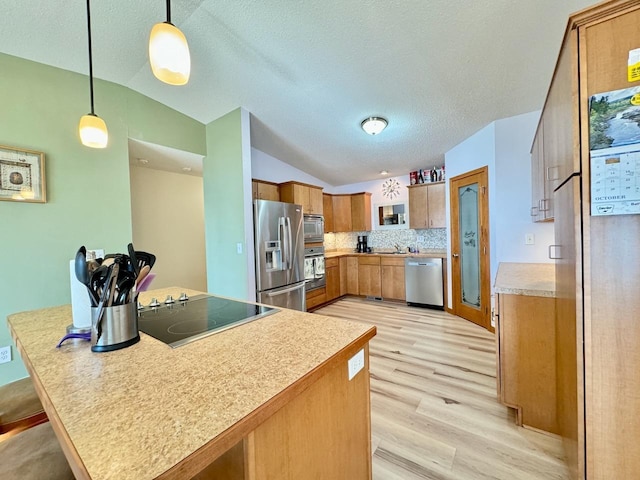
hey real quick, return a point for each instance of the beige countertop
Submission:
(432, 253)
(532, 279)
(134, 413)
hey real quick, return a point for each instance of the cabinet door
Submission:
(268, 191)
(436, 205)
(315, 200)
(393, 285)
(537, 188)
(369, 276)
(333, 282)
(254, 189)
(342, 213)
(352, 276)
(327, 211)
(418, 212)
(343, 276)
(361, 212)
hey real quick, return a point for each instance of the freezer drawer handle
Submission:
(275, 294)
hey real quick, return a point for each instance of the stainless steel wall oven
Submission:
(314, 268)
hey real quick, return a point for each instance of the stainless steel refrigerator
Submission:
(279, 248)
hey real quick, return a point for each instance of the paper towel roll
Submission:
(80, 301)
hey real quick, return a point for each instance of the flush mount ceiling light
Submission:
(92, 129)
(374, 125)
(169, 52)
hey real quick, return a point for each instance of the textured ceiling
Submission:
(310, 71)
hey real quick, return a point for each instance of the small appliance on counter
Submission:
(362, 244)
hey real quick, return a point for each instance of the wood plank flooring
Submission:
(434, 408)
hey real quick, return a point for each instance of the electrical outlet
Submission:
(239, 248)
(529, 239)
(356, 363)
(420, 238)
(5, 354)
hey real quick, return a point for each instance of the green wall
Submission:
(227, 206)
(88, 190)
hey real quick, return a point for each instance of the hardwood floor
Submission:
(434, 408)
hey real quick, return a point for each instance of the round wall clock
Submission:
(391, 188)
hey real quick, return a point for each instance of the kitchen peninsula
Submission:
(269, 399)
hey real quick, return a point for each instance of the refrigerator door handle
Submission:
(286, 290)
(282, 239)
(289, 242)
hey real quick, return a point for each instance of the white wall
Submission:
(266, 167)
(512, 219)
(475, 152)
(167, 214)
(504, 146)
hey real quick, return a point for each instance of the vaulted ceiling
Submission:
(310, 71)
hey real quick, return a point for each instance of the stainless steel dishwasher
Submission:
(423, 282)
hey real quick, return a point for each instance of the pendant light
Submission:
(92, 129)
(169, 52)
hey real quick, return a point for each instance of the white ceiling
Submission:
(310, 71)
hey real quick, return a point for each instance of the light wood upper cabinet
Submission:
(309, 196)
(327, 208)
(341, 213)
(263, 190)
(427, 206)
(361, 212)
(392, 278)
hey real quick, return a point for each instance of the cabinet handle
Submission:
(551, 256)
(455, 255)
(534, 211)
(542, 205)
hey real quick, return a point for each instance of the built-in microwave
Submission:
(313, 228)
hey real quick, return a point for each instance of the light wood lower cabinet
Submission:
(316, 297)
(352, 276)
(332, 276)
(392, 280)
(526, 345)
(324, 432)
(369, 276)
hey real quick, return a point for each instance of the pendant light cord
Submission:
(168, 11)
(90, 57)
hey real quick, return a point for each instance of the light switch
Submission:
(529, 239)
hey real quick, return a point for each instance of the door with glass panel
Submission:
(471, 277)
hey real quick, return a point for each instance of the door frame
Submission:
(481, 317)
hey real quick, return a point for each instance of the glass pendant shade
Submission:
(93, 131)
(374, 125)
(169, 54)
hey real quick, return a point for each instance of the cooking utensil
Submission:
(144, 271)
(145, 258)
(103, 300)
(134, 259)
(82, 273)
(145, 282)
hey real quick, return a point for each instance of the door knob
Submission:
(455, 255)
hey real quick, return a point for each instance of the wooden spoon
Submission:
(144, 271)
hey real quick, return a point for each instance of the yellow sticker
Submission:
(633, 65)
(635, 100)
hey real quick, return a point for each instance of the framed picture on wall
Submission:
(22, 175)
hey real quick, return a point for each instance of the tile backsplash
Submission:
(434, 238)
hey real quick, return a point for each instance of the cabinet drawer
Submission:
(332, 262)
(373, 260)
(396, 261)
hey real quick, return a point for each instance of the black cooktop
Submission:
(202, 315)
